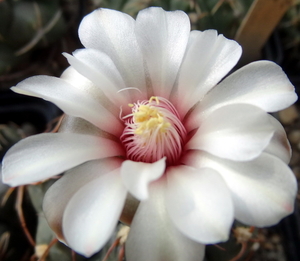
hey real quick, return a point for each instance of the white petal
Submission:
(209, 57)
(71, 100)
(76, 79)
(261, 83)
(99, 69)
(199, 203)
(238, 132)
(41, 156)
(60, 193)
(263, 190)
(279, 145)
(71, 124)
(93, 212)
(153, 237)
(192, 38)
(138, 175)
(112, 32)
(78, 125)
(162, 37)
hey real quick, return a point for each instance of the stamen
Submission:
(153, 130)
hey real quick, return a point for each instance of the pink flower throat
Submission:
(153, 130)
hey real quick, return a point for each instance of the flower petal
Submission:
(154, 237)
(77, 80)
(71, 124)
(112, 32)
(279, 145)
(237, 132)
(41, 156)
(71, 100)
(93, 212)
(99, 69)
(261, 83)
(137, 176)
(263, 190)
(162, 37)
(209, 57)
(60, 193)
(199, 203)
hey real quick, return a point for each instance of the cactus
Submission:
(26, 26)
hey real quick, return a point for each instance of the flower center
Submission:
(153, 130)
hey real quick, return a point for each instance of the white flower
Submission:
(148, 114)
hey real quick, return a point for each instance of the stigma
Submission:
(153, 130)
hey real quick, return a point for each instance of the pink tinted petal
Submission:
(261, 83)
(138, 175)
(60, 193)
(71, 100)
(237, 132)
(209, 57)
(113, 33)
(153, 237)
(99, 69)
(162, 37)
(41, 156)
(92, 213)
(263, 190)
(279, 145)
(199, 203)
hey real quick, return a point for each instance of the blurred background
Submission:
(34, 33)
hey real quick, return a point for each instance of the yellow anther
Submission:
(153, 130)
(151, 123)
(149, 118)
(160, 119)
(155, 99)
(130, 105)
